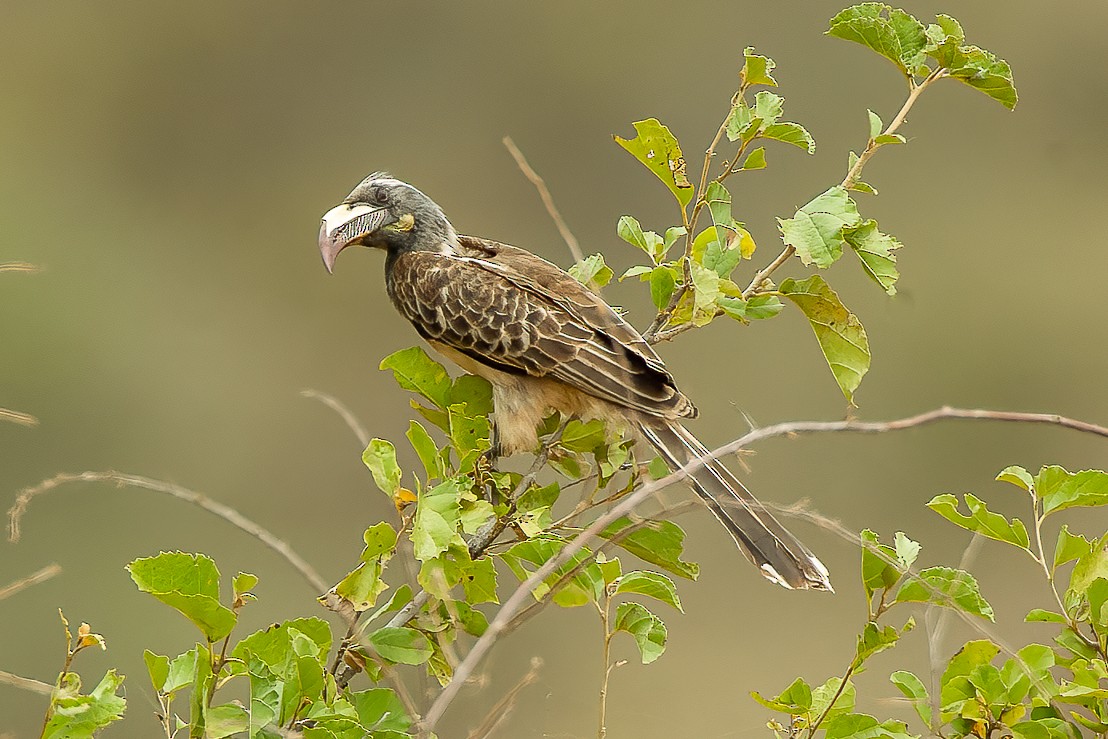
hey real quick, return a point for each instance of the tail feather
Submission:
(777, 553)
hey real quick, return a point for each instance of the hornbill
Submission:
(545, 342)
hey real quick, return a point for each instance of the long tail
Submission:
(778, 554)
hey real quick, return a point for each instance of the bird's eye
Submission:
(381, 195)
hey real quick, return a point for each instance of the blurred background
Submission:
(166, 166)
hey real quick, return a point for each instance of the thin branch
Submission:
(547, 201)
(851, 176)
(233, 517)
(26, 683)
(19, 267)
(337, 406)
(47, 572)
(23, 419)
(518, 599)
(503, 708)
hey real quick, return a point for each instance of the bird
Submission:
(545, 342)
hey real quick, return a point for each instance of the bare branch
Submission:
(25, 267)
(503, 708)
(230, 515)
(47, 572)
(518, 599)
(26, 683)
(337, 406)
(23, 419)
(547, 201)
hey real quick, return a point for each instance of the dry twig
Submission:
(230, 515)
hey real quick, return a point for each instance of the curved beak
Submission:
(344, 225)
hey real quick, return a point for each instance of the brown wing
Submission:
(516, 312)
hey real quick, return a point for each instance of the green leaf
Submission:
(790, 133)
(182, 668)
(285, 666)
(660, 543)
(955, 678)
(651, 584)
(838, 331)
(983, 71)
(479, 581)
(471, 434)
(592, 272)
(401, 644)
(945, 586)
(875, 128)
(659, 152)
(705, 290)
(435, 525)
(1044, 616)
(816, 231)
(1090, 566)
(583, 436)
(585, 587)
(768, 107)
(362, 586)
(981, 520)
(663, 281)
(794, 700)
(381, 710)
(822, 695)
(418, 373)
(439, 575)
(226, 720)
(872, 640)
(893, 34)
(755, 159)
(906, 549)
(380, 458)
(648, 630)
(426, 449)
(76, 716)
(1017, 476)
(190, 584)
(877, 572)
(158, 667)
(756, 69)
(1059, 489)
(475, 392)
(1069, 547)
(654, 245)
(763, 306)
(243, 583)
(890, 138)
(913, 689)
(863, 726)
(875, 252)
(742, 123)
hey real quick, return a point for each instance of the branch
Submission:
(515, 603)
(23, 419)
(35, 686)
(851, 176)
(230, 515)
(19, 267)
(47, 572)
(533, 176)
(337, 406)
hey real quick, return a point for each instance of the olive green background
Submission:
(167, 165)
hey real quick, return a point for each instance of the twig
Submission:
(47, 572)
(547, 201)
(517, 599)
(19, 267)
(503, 708)
(23, 419)
(26, 683)
(851, 176)
(230, 515)
(336, 405)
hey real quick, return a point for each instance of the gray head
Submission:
(386, 213)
